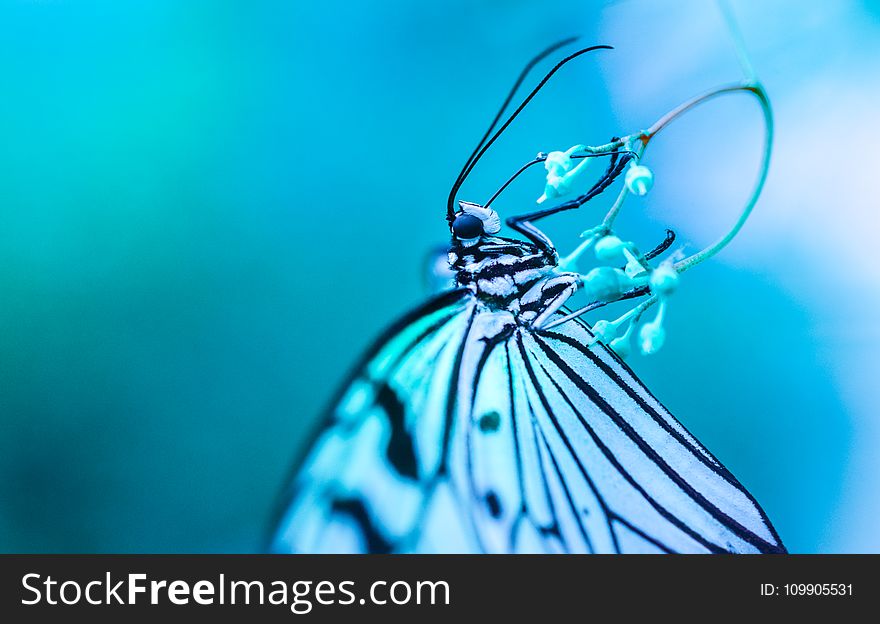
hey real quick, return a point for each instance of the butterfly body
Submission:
(490, 419)
(508, 274)
(469, 428)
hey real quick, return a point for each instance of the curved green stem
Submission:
(642, 138)
(756, 89)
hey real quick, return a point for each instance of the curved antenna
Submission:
(450, 210)
(516, 85)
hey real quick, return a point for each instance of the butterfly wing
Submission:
(370, 479)
(586, 460)
(463, 432)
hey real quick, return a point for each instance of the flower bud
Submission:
(652, 336)
(604, 331)
(664, 280)
(621, 346)
(609, 248)
(639, 180)
(605, 283)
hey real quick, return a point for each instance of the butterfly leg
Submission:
(543, 299)
(603, 285)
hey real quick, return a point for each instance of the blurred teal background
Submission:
(208, 209)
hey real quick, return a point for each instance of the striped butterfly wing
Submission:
(462, 432)
(568, 452)
(370, 481)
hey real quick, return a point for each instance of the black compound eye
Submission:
(467, 226)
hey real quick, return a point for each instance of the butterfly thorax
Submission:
(500, 270)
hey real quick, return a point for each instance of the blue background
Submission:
(208, 209)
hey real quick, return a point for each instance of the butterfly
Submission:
(495, 419)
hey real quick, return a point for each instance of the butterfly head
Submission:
(472, 222)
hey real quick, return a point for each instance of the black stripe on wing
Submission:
(400, 450)
(571, 372)
(355, 509)
(538, 505)
(699, 450)
(610, 515)
(597, 440)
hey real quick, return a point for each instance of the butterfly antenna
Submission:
(486, 142)
(516, 85)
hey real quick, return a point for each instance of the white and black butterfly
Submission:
(471, 426)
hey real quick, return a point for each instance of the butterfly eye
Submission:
(466, 227)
